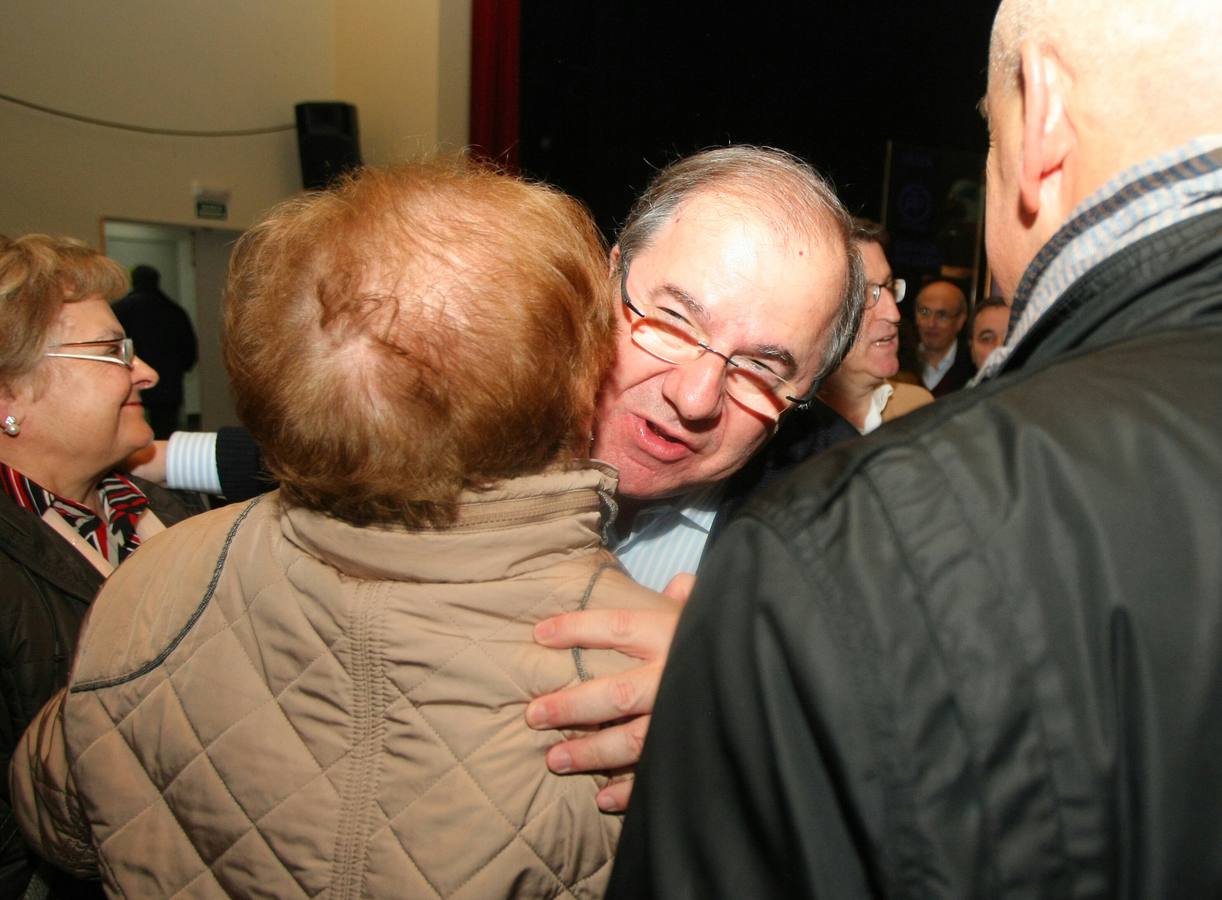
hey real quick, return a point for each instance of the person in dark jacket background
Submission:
(977, 654)
(162, 332)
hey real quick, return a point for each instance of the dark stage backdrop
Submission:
(611, 91)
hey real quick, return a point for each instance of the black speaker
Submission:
(328, 141)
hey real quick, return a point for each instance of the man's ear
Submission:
(613, 260)
(1048, 132)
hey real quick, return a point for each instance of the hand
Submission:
(641, 634)
(149, 463)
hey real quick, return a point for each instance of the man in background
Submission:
(860, 391)
(164, 338)
(990, 322)
(977, 655)
(941, 310)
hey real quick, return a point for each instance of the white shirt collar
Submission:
(931, 375)
(878, 402)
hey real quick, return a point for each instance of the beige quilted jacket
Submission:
(268, 702)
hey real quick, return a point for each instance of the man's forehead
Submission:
(734, 235)
(992, 317)
(771, 286)
(942, 296)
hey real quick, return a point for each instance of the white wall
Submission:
(215, 65)
(406, 64)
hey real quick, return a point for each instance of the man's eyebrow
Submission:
(697, 310)
(773, 352)
(694, 307)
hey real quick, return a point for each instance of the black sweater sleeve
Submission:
(239, 463)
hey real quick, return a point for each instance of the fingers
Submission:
(605, 699)
(680, 587)
(610, 748)
(614, 797)
(640, 633)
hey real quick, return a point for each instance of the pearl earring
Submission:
(11, 426)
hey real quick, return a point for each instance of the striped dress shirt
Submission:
(668, 537)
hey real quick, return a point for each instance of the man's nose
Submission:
(696, 389)
(888, 309)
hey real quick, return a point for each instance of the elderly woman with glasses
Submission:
(69, 413)
(322, 692)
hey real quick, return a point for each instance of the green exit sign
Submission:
(210, 209)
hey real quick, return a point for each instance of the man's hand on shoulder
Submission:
(625, 699)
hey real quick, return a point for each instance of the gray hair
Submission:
(796, 200)
(867, 231)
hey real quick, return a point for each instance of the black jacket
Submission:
(978, 652)
(162, 333)
(803, 434)
(46, 587)
(958, 375)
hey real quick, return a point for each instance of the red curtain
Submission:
(495, 30)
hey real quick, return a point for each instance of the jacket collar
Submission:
(34, 544)
(1121, 221)
(513, 528)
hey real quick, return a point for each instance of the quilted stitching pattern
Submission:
(315, 734)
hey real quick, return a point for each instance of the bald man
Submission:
(941, 311)
(979, 653)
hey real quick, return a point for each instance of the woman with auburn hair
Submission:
(323, 690)
(70, 412)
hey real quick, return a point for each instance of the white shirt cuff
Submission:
(190, 462)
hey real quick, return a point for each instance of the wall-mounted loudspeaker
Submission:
(328, 141)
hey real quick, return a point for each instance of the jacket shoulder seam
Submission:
(161, 657)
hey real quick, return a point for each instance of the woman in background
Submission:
(70, 412)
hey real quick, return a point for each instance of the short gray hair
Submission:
(796, 200)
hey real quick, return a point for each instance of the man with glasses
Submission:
(740, 289)
(860, 393)
(941, 311)
(734, 271)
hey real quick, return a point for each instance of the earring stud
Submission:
(11, 426)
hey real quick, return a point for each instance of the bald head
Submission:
(1080, 91)
(1107, 48)
(941, 310)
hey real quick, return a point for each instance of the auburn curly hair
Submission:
(415, 332)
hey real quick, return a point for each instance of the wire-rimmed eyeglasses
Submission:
(120, 351)
(895, 287)
(666, 334)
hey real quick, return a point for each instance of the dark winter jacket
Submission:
(46, 587)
